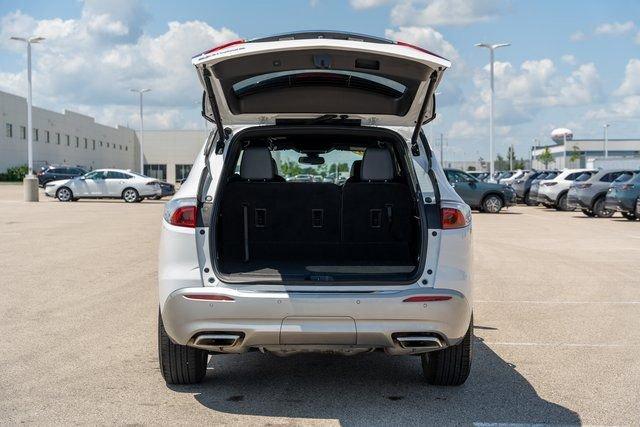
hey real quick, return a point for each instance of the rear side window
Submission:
(583, 177)
(574, 176)
(551, 175)
(610, 177)
(624, 177)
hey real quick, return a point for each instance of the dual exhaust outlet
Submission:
(420, 342)
(216, 341)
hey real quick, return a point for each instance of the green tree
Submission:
(545, 157)
(575, 154)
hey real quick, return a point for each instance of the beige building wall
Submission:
(68, 138)
(170, 153)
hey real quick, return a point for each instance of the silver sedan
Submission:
(105, 184)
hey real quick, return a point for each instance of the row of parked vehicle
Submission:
(596, 192)
(67, 183)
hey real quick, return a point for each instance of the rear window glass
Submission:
(583, 177)
(551, 175)
(299, 78)
(624, 177)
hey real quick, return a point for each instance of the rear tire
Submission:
(629, 216)
(588, 213)
(451, 366)
(563, 204)
(600, 211)
(528, 201)
(130, 195)
(492, 204)
(179, 364)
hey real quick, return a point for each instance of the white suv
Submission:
(382, 262)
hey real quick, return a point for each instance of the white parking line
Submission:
(560, 344)
(557, 302)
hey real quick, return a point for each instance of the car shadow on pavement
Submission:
(371, 389)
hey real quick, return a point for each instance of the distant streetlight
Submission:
(606, 140)
(141, 92)
(492, 48)
(30, 181)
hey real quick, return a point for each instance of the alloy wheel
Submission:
(130, 195)
(64, 194)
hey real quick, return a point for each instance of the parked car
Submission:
(535, 186)
(105, 184)
(288, 267)
(522, 185)
(483, 196)
(167, 189)
(624, 196)
(53, 173)
(510, 177)
(589, 191)
(552, 193)
(480, 176)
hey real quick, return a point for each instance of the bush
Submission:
(15, 174)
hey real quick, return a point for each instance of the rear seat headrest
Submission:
(256, 164)
(356, 167)
(377, 165)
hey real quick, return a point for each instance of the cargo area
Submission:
(325, 208)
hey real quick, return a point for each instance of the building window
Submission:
(120, 146)
(100, 143)
(156, 171)
(9, 127)
(77, 142)
(58, 138)
(35, 134)
(23, 132)
(68, 140)
(182, 171)
(94, 145)
(107, 145)
(47, 136)
(126, 148)
(86, 143)
(114, 146)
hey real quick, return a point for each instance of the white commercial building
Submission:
(68, 138)
(578, 152)
(77, 140)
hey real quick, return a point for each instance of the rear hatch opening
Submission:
(318, 204)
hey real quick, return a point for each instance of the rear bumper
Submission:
(620, 204)
(282, 321)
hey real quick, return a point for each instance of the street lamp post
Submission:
(606, 140)
(141, 92)
(492, 48)
(30, 181)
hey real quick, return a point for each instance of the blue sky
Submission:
(572, 64)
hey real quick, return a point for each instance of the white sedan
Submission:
(105, 184)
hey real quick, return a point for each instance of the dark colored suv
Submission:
(484, 196)
(53, 173)
(624, 197)
(523, 184)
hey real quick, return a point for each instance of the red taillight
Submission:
(184, 216)
(549, 184)
(427, 298)
(452, 218)
(401, 43)
(222, 46)
(584, 185)
(208, 297)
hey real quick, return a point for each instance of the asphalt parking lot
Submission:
(557, 325)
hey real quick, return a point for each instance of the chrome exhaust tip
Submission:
(215, 341)
(420, 341)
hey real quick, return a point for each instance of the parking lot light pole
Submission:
(141, 92)
(606, 140)
(492, 48)
(30, 181)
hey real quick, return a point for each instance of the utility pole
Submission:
(30, 182)
(141, 92)
(492, 48)
(511, 155)
(606, 140)
(441, 150)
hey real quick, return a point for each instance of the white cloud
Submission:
(631, 83)
(90, 63)
(445, 12)
(615, 28)
(578, 36)
(568, 59)
(367, 4)
(427, 38)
